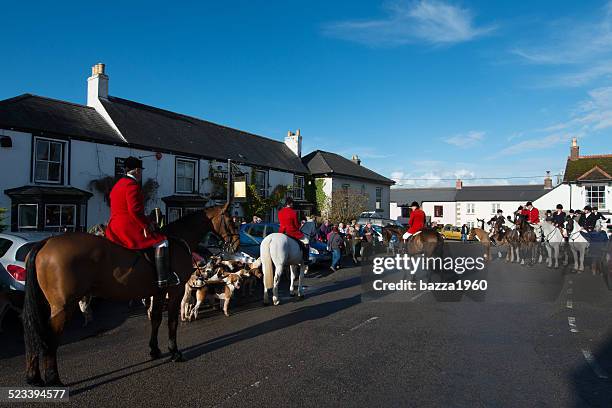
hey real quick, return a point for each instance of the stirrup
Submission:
(173, 281)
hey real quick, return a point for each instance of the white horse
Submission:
(578, 245)
(277, 251)
(553, 238)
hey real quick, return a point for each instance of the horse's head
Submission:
(223, 226)
(472, 234)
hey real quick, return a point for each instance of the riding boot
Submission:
(165, 277)
(493, 241)
(306, 254)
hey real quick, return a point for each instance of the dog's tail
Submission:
(266, 262)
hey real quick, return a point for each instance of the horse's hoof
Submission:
(155, 353)
(35, 381)
(301, 297)
(292, 294)
(276, 302)
(177, 357)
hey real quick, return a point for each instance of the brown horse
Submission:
(483, 237)
(528, 240)
(63, 269)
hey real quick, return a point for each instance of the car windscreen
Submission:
(23, 251)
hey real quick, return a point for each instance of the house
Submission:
(59, 159)
(336, 173)
(587, 180)
(465, 204)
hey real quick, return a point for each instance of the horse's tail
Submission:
(38, 335)
(266, 262)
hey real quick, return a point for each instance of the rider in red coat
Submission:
(416, 222)
(532, 213)
(290, 226)
(128, 225)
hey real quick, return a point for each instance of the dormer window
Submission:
(48, 161)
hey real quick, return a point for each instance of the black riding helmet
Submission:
(559, 207)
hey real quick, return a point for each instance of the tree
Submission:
(260, 206)
(344, 205)
(2, 218)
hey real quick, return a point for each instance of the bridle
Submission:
(234, 238)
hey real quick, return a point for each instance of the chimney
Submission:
(575, 150)
(294, 142)
(355, 159)
(458, 184)
(548, 181)
(97, 84)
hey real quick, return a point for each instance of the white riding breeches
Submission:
(406, 235)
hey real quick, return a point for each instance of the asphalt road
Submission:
(537, 337)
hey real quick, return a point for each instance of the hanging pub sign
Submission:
(239, 187)
(119, 167)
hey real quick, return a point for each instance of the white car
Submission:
(14, 247)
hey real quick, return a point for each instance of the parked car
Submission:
(451, 232)
(14, 247)
(251, 236)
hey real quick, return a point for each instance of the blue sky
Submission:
(419, 89)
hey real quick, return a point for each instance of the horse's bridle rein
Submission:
(233, 238)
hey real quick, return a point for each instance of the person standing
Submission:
(367, 242)
(354, 240)
(334, 244)
(465, 230)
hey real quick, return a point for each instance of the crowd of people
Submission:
(343, 239)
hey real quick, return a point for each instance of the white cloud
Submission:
(465, 140)
(584, 46)
(428, 21)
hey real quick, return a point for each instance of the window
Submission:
(185, 176)
(470, 208)
(23, 251)
(48, 161)
(257, 230)
(261, 182)
(60, 217)
(405, 212)
(596, 196)
(27, 216)
(298, 187)
(174, 213)
(438, 211)
(5, 244)
(495, 207)
(378, 198)
(470, 224)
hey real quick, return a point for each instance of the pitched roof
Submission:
(405, 196)
(144, 125)
(512, 192)
(36, 113)
(575, 169)
(321, 162)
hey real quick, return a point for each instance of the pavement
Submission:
(537, 337)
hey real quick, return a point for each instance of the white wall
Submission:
(483, 210)
(570, 196)
(449, 211)
(337, 183)
(14, 167)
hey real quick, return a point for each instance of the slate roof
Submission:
(144, 125)
(321, 162)
(405, 196)
(36, 113)
(37, 191)
(574, 169)
(513, 192)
